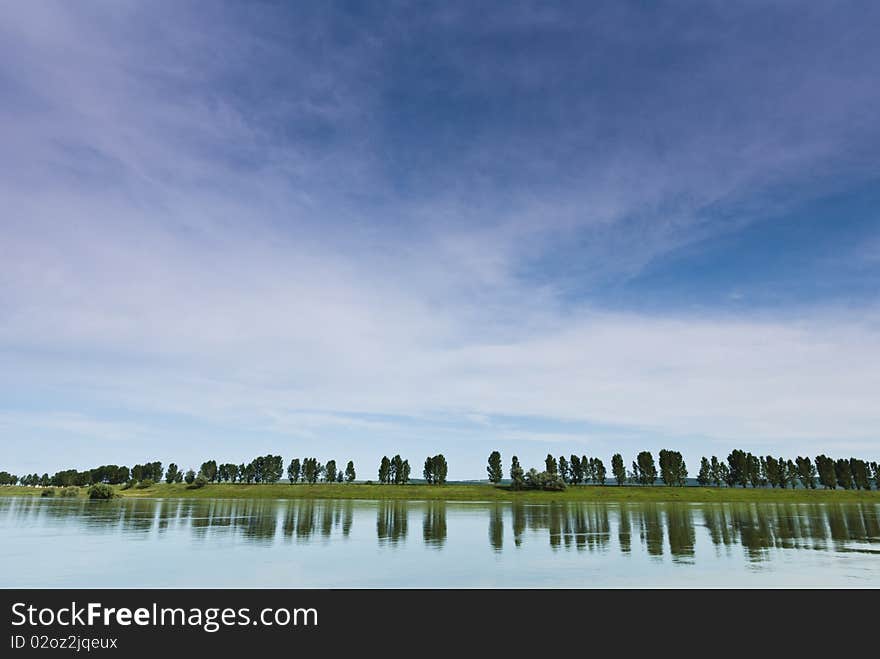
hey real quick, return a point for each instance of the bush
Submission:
(101, 491)
(47, 492)
(127, 485)
(70, 492)
(535, 480)
(200, 481)
(144, 484)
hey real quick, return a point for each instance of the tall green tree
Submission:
(209, 470)
(827, 472)
(704, 476)
(190, 477)
(564, 472)
(440, 469)
(294, 469)
(494, 469)
(618, 468)
(171, 474)
(599, 471)
(396, 475)
(647, 471)
(384, 470)
(672, 468)
(551, 467)
(738, 465)
(577, 470)
(806, 472)
(330, 471)
(517, 475)
(860, 474)
(349, 472)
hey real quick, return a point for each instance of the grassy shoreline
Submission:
(477, 492)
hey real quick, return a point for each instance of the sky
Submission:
(349, 230)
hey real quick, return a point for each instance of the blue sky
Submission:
(356, 229)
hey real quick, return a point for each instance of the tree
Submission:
(404, 472)
(588, 466)
(827, 472)
(715, 471)
(330, 471)
(772, 471)
(552, 467)
(517, 477)
(171, 474)
(349, 472)
(672, 468)
(440, 469)
(311, 470)
(294, 469)
(385, 470)
(577, 470)
(647, 471)
(396, 475)
(806, 472)
(618, 469)
(190, 477)
(599, 472)
(339, 476)
(564, 472)
(427, 472)
(754, 472)
(209, 470)
(704, 476)
(494, 469)
(787, 473)
(860, 474)
(738, 465)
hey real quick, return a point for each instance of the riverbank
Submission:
(473, 492)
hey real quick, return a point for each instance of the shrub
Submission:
(144, 484)
(70, 492)
(127, 485)
(101, 491)
(47, 492)
(200, 481)
(535, 480)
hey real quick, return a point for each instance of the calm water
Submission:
(127, 543)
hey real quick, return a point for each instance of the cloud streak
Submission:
(295, 223)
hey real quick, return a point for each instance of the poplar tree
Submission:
(171, 473)
(618, 468)
(494, 468)
(384, 469)
(704, 475)
(564, 473)
(517, 475)
(293, 471)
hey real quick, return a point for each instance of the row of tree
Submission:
(744, 469)
(740, 468)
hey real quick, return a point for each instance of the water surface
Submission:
(321, 543)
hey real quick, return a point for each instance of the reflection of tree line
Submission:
(756, 527)
(772, 526)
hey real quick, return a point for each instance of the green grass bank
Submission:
(474, 492)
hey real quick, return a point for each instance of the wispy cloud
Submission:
(293, 223)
